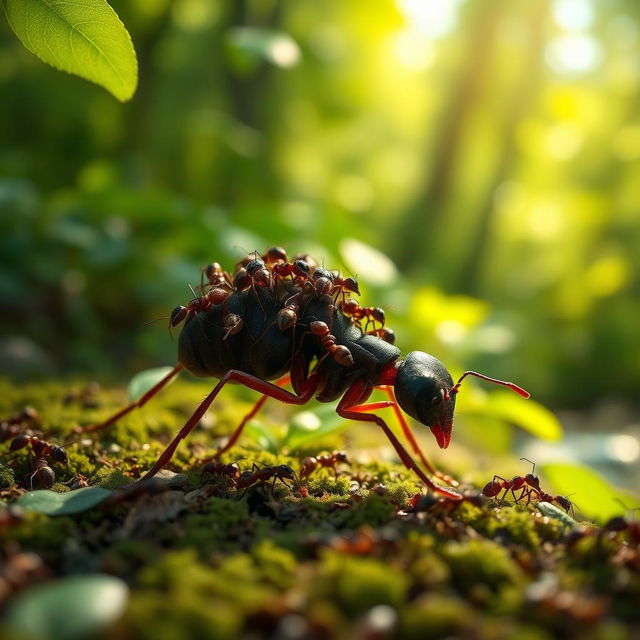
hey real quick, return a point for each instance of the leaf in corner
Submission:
(83, 37)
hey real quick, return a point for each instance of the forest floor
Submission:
(362, 553)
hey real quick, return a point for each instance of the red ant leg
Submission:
(134, 405)
(238, 430)
(526, 493)
(267, 388)
(406, 429)
(349, 408)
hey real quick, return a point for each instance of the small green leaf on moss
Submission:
(69, 608)
(59, 504)
(85, 38)
(143, 381)
(551, 511)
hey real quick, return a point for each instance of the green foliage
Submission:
(593, 495)
(145, 380)
(84, 38)
(59, 504)
(69, 609)
(506, 406)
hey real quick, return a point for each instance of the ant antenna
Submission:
(514, 387)
(150, 322)
(530, 462)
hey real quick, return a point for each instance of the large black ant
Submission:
(417, 384)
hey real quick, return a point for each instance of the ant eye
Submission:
(436, 400)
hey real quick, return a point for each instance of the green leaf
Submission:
(526, 414)
(303, 432)
(551, 511)
(143, 381)
(69, 608)
(592, 494)
(60, 504)
(262, 434)
(83, 37)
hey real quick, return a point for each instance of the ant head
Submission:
(388, 335)
(286, 472)
(351, 284)
(321, 272)
(275, 254)
(177, 316)
(254, 265)
(531, 479)
(564, 502)
(423, 389)
(212, 269)
(59, 455)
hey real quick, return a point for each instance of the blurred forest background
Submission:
(475, 163)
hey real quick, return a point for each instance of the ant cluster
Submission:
(41, 453)
(327, 461)
(529, 487)
(291, 282)
(258, 475)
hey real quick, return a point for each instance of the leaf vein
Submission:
(54, 9)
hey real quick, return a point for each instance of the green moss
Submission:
(480, 568)
(400, 492)
(40, 532)
(357, 584)
(110, 478)
(220, 519)
(323, 481)
(373, 510)
(227, 563)
(7, 477)
(79, 462)
(520, 526)
(275, 565)
(429, 571)
(436, 616)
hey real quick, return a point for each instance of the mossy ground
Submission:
(341, 557)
